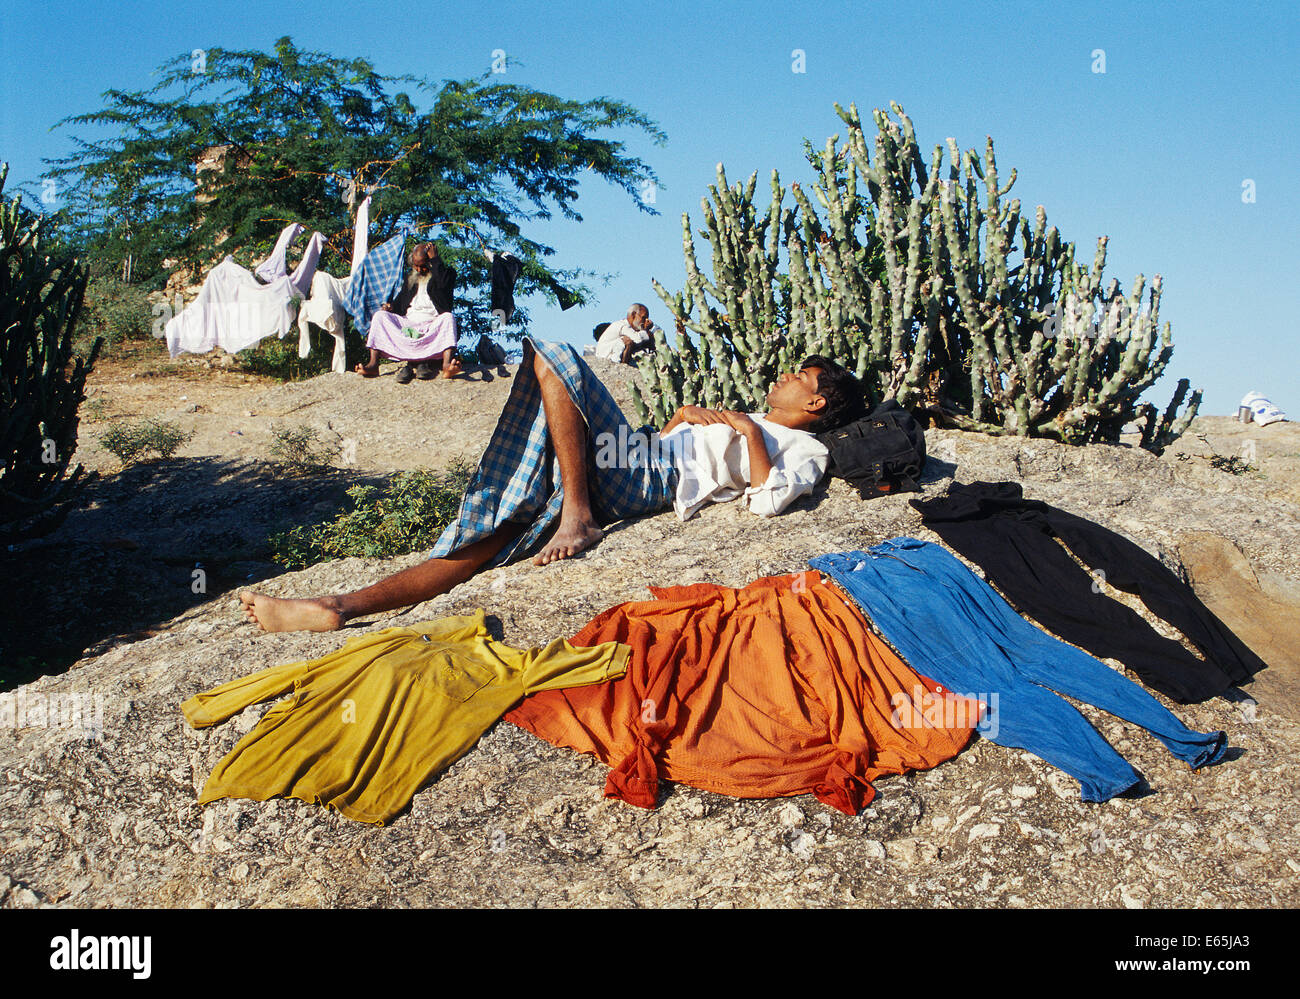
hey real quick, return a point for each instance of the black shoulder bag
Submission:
(879, 454)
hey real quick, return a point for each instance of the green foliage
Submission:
(928, 283)
(115, 310)
(404, 517)
(42, 381)
(276, 358)
(130, 442)
(302, 448)
(1232, 464)
(305, 136)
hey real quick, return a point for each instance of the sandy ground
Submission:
(107, 610)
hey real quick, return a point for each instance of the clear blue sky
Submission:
(1196, 99)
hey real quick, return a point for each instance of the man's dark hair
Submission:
(600, 328)
(842, 391)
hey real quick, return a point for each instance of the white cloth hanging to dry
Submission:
(325, 306)
(234, 310)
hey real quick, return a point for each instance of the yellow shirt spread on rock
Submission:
(367, 725)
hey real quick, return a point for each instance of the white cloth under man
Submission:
(610, 345)
(1262, 411)
(712, 462)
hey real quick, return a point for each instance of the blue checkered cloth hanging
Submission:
(518, 478)
(378, 281)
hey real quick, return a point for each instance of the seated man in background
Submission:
(563, 461)
(623, 339)
(418, 325)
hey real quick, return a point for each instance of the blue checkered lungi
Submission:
(378, 281)
(518, 478)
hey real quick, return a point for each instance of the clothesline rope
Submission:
(420, 228)
(430, 225)
(328, 242)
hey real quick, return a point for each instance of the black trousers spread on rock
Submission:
(1014, 541)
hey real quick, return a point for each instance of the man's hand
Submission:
(760, 462)
(387, 306)
(699, 416)
(742, 423)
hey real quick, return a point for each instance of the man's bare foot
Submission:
(568, 540)
(281, 614)
(451, 369)
(366, 372)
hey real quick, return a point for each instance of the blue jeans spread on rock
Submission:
(948, 624)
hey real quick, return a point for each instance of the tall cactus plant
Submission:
(41, 383)
(928, 282)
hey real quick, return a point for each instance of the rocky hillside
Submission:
(111, 819)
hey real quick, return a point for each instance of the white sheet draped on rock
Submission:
(325, 306)
(234, 310)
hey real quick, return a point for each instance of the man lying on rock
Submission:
(562, 451)
(417, 326)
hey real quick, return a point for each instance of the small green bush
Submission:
(129, 442)
(279, 359)
(405, 516)
(115, 311)
(302, 449)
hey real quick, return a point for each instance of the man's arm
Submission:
(401, 301)
(442, 283)
(697, 415)
(760, 462)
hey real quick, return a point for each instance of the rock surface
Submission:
(108, 817)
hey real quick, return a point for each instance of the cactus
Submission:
(903, 271)
(41, 293)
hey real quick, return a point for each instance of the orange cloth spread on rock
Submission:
(776, 689)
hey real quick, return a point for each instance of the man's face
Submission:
(639, 319)
(795, 390)
(420, 261)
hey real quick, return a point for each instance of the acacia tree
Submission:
(306, 135)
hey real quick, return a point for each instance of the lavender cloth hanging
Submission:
(275, 266)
